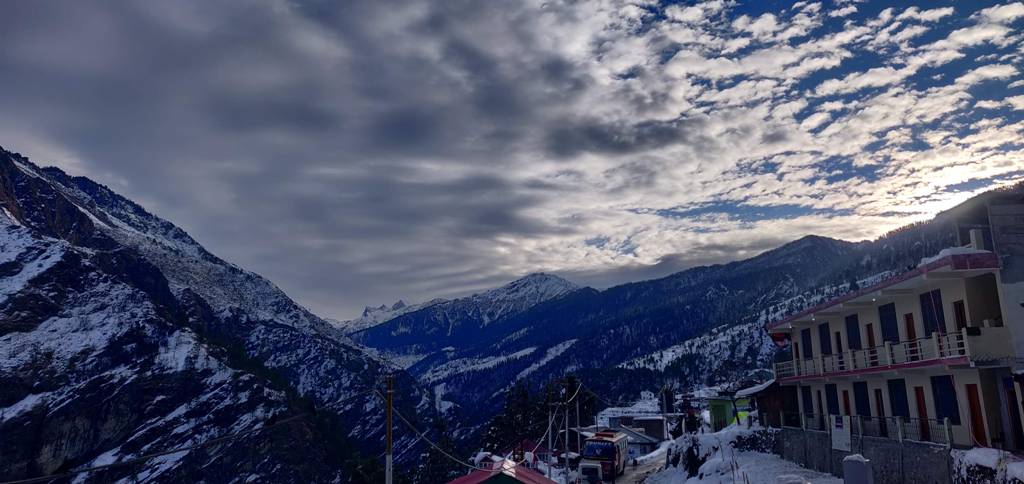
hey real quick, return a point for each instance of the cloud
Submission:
(362, 152)
(844, 11)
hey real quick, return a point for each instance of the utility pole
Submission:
(388, 458)
(579, 445)
(566, 468)
(550, 423)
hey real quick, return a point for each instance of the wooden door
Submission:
(821, 413)
(912, 345)
(846, 403)
(872, 347)
(839, 351)
(977, 418)
(922, 414)
(960, 315)
(880, 413)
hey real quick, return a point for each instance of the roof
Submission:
(527, 444)
(505, 468)
(754, 390)
(954, 261)
(638, 437)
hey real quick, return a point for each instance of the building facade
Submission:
(929, 355)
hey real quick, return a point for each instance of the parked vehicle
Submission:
(604, 457)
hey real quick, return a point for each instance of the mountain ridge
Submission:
(113, 312)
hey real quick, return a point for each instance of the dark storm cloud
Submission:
(573, 138)
(289, 140)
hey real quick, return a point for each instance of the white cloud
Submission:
(926, 15)
(1003, 13)
(983, 73)
(843, 12)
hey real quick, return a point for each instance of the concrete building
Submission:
(929, 355)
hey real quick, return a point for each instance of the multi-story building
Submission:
(930, 354)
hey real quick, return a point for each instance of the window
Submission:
(898, 398)
(931, 311)
(944, 394)
(890, 327)
(805, 339)
(853, 332)
(599, 449)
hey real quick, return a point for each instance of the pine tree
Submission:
(437, 468)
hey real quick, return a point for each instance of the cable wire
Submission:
(436, 447)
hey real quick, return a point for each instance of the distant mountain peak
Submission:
(539, 279)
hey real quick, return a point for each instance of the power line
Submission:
(431, 443)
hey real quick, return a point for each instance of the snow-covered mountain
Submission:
(458, 322)
(372, 316)
(121, 336)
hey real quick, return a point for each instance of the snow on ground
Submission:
(725, 464)
(951, 252)
(647, 405)
(1006, 465)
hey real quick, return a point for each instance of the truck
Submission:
(604, 457)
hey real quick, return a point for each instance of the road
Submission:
(636, 476)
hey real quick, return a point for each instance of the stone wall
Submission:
(891, 460)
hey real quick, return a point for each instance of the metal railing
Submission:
(937, 347)
(926, 430)
(896, 428)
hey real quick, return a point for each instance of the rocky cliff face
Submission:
(122, 336)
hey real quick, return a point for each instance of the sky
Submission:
(357, 152)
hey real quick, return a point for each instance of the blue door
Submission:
(824, 339)
(931, 311)
(853, 332)
(861, 400)
(832, 399)
(890, 326)
(898, 398)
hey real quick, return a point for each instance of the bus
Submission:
(604, 457)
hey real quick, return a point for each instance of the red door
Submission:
(880, 413)
(839, 351)
(977, 421)
(908, 320)
(846, 403)
(922, 415)
(872, 351)
(821, 413)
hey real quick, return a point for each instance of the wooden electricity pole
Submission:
(388, 460)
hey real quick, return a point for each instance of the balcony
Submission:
(988, 346)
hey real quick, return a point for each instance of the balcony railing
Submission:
(896, 428)
(990, 343)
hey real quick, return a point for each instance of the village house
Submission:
(928, 355)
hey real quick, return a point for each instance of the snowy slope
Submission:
(746, 344)
(460, 322)
(120, 335)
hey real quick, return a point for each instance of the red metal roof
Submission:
(517, 472)
(957, 262)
